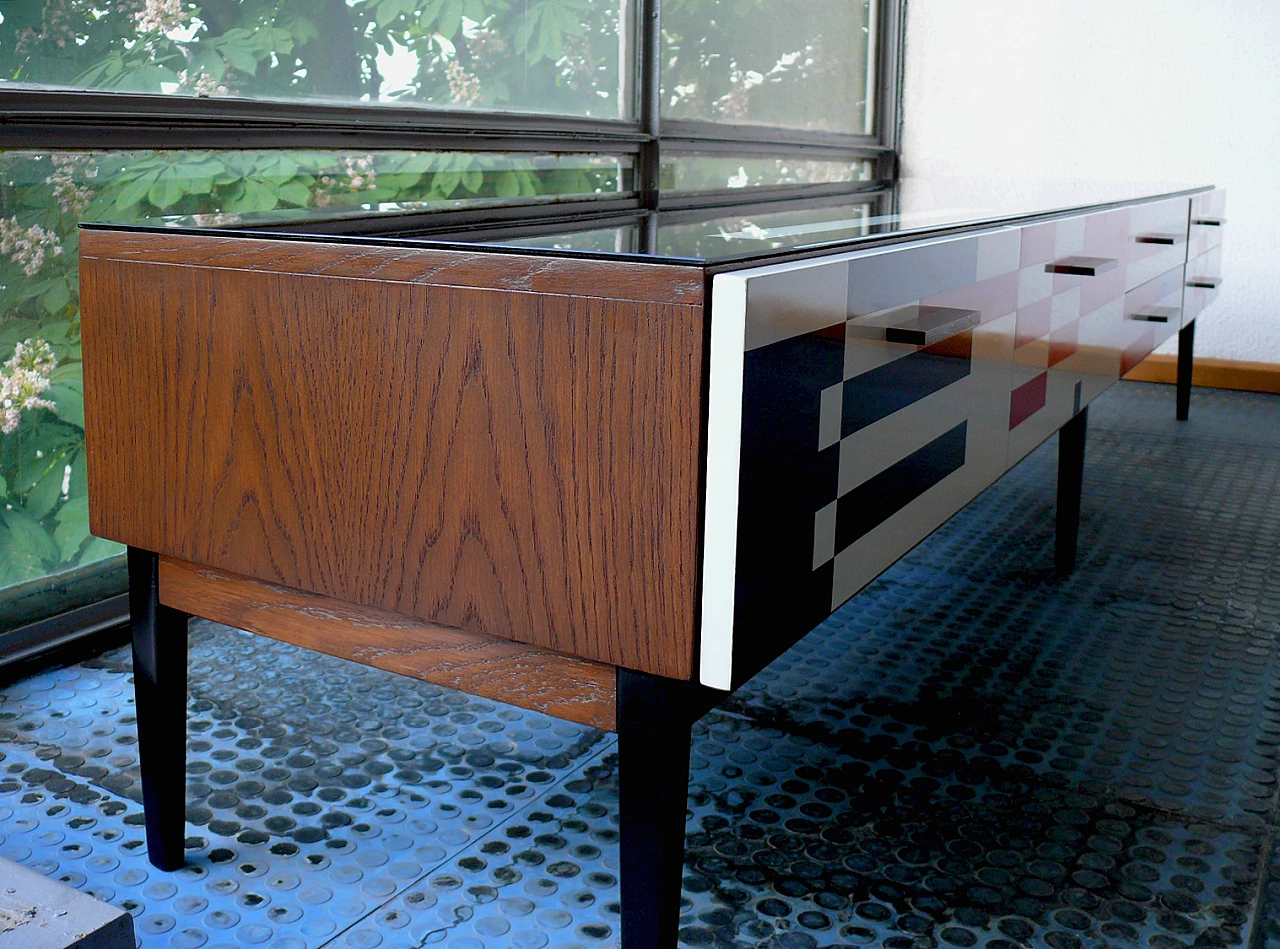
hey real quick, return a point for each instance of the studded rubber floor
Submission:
(973, 752)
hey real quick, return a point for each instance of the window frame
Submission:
(52, 119)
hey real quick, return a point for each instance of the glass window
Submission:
(559, 56)
(715, 172)
(770, 62)
(609, 240)
(739, 234)
(44, 525)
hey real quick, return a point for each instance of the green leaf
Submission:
(26, 538)
(99, 549)
(135, 190)
(165, 192)
(295, 192)
(387, 12)
(56, 298)
(507, 185)
(73, 526)
(79, 487)
(48, 489)
(239, 57)
(451, 18)
(4, 487)
(69, 372)
(447, 182)
(254, 196)
(429, 13)
(70, 403)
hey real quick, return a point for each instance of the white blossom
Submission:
(357, 174)
(160, 16)
(69, 171)
(27, 246)
(202, 84)
(24, 376)
(464, 86)
(219, 219)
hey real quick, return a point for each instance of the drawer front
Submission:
(855, 403)
(1152, 313)
(1054, 372)
(1208, 220)
(1085, 254)
(1157, 240)
(1204, 277)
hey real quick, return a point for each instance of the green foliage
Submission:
(767, 62)
(541, 55)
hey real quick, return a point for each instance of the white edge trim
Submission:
(724, 456)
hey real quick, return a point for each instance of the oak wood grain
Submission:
(514, 463)
(614, 280)
(498, 669)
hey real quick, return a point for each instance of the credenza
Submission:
(607, 470)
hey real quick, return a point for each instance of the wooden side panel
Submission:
(513, 463)
(497, 669)
(610, 280)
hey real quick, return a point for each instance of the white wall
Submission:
(1146, 90)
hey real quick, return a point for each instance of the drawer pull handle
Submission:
(1167, 239)
(1158, 314)
(1210, 221)
(916, 325)
(1205, 283)
(1082, 266)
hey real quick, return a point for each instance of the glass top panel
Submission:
(746, 231)
(733, 235)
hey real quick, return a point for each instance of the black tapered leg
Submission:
(160, 689)
(1186, 355)
(654, 718)
(1071, 439)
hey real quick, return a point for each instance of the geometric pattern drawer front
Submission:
(1157, 240)
(1203, 278)
(1208, 221)
(835, 445)
(1152, 314)
(840, 432)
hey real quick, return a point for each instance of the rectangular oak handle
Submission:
(1210, 221)
(1166, 239)
(1205, 283)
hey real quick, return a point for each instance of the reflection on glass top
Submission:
(740, 232)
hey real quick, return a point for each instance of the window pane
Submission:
(766, 230)
(560, 56)
(44, 527)
(609, 240)
(713, 172)
(770, 62)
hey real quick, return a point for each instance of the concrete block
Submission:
(39, 913)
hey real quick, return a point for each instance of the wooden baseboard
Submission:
(1212, 373)
(526, 676)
